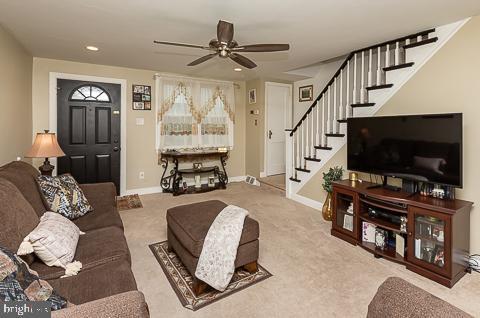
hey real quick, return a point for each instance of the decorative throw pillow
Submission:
(19, 282)
(64, 196)
(54, 241)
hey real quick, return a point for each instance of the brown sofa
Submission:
(397, 298)
(105, 286)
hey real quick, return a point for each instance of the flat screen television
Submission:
(425, 148)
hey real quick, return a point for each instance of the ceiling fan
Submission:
(225, 46)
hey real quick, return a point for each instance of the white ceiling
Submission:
(317, 30)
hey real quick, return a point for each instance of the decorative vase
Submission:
(327, 208)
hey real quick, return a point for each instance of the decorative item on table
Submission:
(403, 224)
(380, 238)
(197, 165)
(400, 244)
(252, 96)
(368, 232)
(305, 93)
(348, 222)
(438, 233)
(45, 146)
(184, 186)
(141, 97)
(211, 182)
(353, 176)
(333, 174)
(439, 256)
(350, 208)
(198, 181)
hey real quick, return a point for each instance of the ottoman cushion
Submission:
(190, 224)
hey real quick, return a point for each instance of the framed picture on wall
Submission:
(305, 93)
(252, 96)
(141, 97)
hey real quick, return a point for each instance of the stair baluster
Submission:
(317, 137)
(397, 53)
(362, 81)
(354, 94)
(379, 66)
(324, 138)
(342, 113)
(347, 105)
(370, 57)
(334, 121)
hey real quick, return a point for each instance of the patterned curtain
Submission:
(194, 113)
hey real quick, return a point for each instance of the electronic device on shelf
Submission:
(415, 148)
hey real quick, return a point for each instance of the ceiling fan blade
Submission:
(182, 44)
(202, 59)
(262, 48)
(242, 60)
(224, 32)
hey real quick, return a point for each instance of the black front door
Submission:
(88, 128)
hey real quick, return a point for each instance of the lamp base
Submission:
(46, 169)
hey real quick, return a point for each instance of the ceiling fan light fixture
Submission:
(92, 48)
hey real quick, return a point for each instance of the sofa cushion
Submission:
(54, 240)
(63, 195)
(17, 216)
(190, 224)
(96, 247)
(18, 282)
(93, 283)
(102, 198)
(23, 176)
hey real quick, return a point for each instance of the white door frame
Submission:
(52, 108)
(288, 121)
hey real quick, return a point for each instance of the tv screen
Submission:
(425, 148)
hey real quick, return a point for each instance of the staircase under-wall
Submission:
(365, 81)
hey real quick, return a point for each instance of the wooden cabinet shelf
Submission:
(436, 229)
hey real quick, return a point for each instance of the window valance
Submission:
(194, 113)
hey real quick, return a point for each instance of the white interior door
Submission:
(278, 108)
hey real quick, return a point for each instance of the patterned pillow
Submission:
(64, 196)
(18, 282)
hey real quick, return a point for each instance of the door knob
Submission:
(116, 149)
(269, 134)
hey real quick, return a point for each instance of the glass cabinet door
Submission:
(344, 215)
(428, 246)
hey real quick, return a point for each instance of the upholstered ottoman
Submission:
(187, 227)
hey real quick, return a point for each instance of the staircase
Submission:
(365, 81)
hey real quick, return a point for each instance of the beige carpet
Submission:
(315, 274)
(277, 181)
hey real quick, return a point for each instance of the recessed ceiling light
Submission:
(91, 48)
(237, 69)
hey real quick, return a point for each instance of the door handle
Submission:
(269, 134)
(116, 149)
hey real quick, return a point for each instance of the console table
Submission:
(170, 182)
(436, 235)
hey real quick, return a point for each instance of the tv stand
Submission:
(436, 236)
(385, 185)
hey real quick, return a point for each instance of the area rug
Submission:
(128, 202)
(181, 280)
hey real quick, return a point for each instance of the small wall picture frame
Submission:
(197, 165)
(211, 182)
(141, 97)
(252, 96)
(305, 93)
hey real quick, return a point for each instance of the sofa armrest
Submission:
(99, 191)
(128, 305)
(398, 298)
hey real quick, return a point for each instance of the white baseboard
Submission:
(263, 174)
(306, 201)
(158, 189)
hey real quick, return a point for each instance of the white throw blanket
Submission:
(216, 264)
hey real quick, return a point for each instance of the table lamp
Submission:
(45, 146)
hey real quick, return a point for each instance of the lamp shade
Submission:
(45, 146)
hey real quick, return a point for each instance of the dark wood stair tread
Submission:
(341, 121)
(303, 170)
(294, 179)
(362, 105)
(374, 87)
(334, 135)
(420, 43)
(323, 147)
(397, 67)
(312, 159)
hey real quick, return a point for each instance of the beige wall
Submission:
(15, 98)
(255, 127)
(141, 154)
(448, 82)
